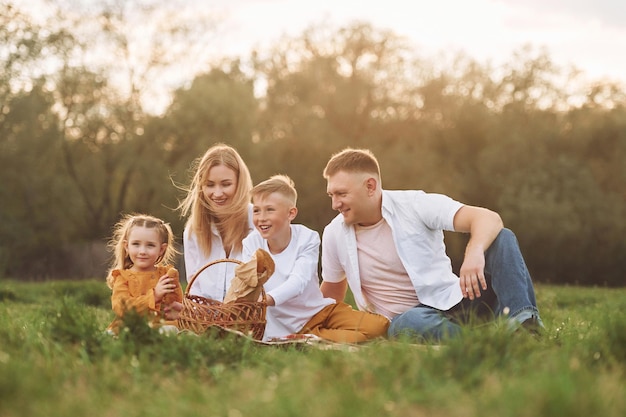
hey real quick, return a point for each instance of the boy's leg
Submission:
(341, 323)
(511, 280)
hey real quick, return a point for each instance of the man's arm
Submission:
(483, 225)
(336, 290)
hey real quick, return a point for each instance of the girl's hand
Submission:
(172, 311)
(165, 285)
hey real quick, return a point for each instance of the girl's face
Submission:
(144, 248)
(220, 186)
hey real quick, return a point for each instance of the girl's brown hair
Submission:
(121, 230)
(232, 220)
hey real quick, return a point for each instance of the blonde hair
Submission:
(121, 230)
(233, 220)
(281, 184)
(352, 161)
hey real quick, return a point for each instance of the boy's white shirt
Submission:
(214, 281)
(294, 286)
(417, 220)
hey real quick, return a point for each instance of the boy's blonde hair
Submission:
(352, 161)
(281, 184)
(234, 224)
(121, 230)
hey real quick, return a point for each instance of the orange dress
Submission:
(134, 291)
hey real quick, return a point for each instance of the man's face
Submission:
(349, 195)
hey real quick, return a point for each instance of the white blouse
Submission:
(214, 281)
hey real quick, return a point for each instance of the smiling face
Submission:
(144, 247)
(219, 187)
(272, 215)
(356, 197)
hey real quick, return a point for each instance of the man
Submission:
(388, 246)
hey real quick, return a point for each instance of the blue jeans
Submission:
(509, 293)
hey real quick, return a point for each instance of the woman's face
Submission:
(219, 186)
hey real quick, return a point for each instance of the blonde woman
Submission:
(220, 217)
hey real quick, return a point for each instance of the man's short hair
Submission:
(353, 161)
(281, 184)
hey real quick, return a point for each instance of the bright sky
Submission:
(587, 34)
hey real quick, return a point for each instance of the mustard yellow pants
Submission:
(341, 323)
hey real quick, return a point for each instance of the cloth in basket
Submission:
(250, 277)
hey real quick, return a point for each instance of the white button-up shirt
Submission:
(417, 220)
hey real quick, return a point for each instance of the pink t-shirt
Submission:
(384, 280)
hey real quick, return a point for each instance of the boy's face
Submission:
(272, 215)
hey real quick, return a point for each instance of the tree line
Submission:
(527, 139)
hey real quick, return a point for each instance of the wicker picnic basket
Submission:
(199, 313)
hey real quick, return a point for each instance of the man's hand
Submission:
(483, 225)
(472, 273)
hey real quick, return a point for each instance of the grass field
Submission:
(56, 361)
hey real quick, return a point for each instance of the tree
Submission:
(89, 121)
(36, 197)
(218, 106)
(103, 105)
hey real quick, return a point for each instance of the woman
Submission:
(220, 217)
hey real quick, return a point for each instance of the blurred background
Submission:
(104, 106)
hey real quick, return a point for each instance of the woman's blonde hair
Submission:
(232, 220)
(121, 230)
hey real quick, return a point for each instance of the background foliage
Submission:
(80, 142)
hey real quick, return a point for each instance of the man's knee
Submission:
(506, 236)
(504, 244)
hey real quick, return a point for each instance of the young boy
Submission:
(295, 302)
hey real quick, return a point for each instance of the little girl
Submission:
(143, 250)
(220, 217)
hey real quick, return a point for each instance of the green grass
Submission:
(56, 361)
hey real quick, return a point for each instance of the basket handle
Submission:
(217, 261)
